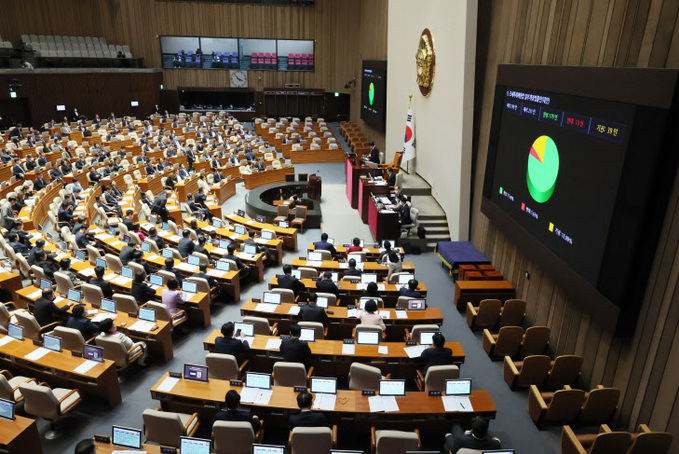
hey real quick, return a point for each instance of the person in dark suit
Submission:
(44, 309)
(39, 246)
(411, 290)
(93, 174)
(190, 156)
(438, 355)
(352, 270)
(404, 212)
(87, 328)
(39, 182)
(17, 170)
(141, 291)
(18, 246)
(293, 349)
(391, 177)
(185, 245)
(289, 281)
(98, 280)
(81, 238)
(153, 235)
(231, 249)
(65, 213)
(217, 176)
(477, 438)
(126, 252)
(230, 344)
(47, 264)
(306, 417)
(128, 219)
(313, 313)
(232, 412)
(150, 170)
(324, 245)
(159, 208)
(326, 285)
(169, 266)
(202, 273)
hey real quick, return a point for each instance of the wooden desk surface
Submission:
(106, 448)
(289, 234)
(368, 267)
(354, 288)
(20, 435)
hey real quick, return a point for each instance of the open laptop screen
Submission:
(246, 328)
(108, 305)
(52, 342)
(308, 335)
(189, 445)
(148, 315)
(271, 298)
(368, 338)
(195, 372)
(93, 353)
(427, 337)
(257, 380)
(459, 387)
(324, 385)
(123, 436)
(268, 449)
(315, 257)
(392, 387)
(6, 409)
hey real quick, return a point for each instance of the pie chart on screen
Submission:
(371, 93)
(543, 169)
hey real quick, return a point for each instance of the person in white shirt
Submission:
(108, 329)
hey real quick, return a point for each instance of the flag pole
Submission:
(410, 101)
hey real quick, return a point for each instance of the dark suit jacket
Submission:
(231, 346)
(391, 180)
(104, 284)
(436, 357)
(352, 272)
(326, 286)
(128, 223)
(239, 414)
(405, 291)
(86, 327)
(290, 282)
(142, 292)
(308, 419)
(45, 311)
(325, 246)
(464, 439)
(313, 313)
(185, 247)
(126, 254)
(295, 351)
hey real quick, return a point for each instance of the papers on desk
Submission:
(382, 403)
(261, 241)
(314, 263)
(59, 299)
(250, 222)
(91, 312)
(266, 307)
(153, 257)
(383, 350)
(353, 313)
(122, 280)
(168, 384)
(216, 273)
(415, 351)
(457, 403)
(174, 238)
(220, 251)
(401, 314)
(37, 354)
(359, 266)
(384, 314)
(110, 276)
(244, 256)
(186, 267)
(95, 231)
(387, 211)
(360, 286)
(104, 236)
(142, 326)
(348, 349)
(324, 402)
(5, 340)
(147, 226)
(188, 295)
(381, 287)
(87, 272)
(116, 243)
(35, 295)
(344, 266)
(294, 310)
(209, 228)
(103, 316)
(85, 366)
(273, 344)
(60, 256)
(256, 396)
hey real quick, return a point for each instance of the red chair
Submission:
(303, 55)
(267, 55)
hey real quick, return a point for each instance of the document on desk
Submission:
(216, 273)
(267, 307)
(387, 211)
(122, 280)
(381, 287)
(103, 236)
(457, 403)
(103, 316)
(314, 263)
(147, 226)
(353, 313)
(324, 402)
(344, 266)
(383, 350)
(415, 351)
(219, 251)
(60, 256)
(35, 295)
(37, 354)
(85, 366)
(273, 344)
(153, 257)
(87, 272)
(174, 238)
(401, 314)
(141, 326)
(359, 266)
(382, 403)
(261, 241)
(255, 396)
(360, 286)
(294, 310)
(5, 340)
(385, 315)
(116, 243)
(168, 384)
(209, 228)
(348, 349)
(110, 277)
(186, 267)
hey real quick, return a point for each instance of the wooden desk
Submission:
(11, 282)
(224, 190)
(159, 342)
(289, 235)
(353, 173)
(57, 369)
(352, 410)
(313, 156)
(20, 436)
(107, 448)
(257, 179)
(366, 187)
(371, 253)
(189, 186)
(368, 267)
(383, 223)
(341, 326)
(328, 359)
(475, 291)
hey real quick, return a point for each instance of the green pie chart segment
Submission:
(543, 169)
(371, 93)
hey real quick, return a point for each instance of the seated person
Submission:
(394, 265)
(141, 291)
(138, 258)
(172, 297)
(476, 438)
(352, 270)
(186, 244)
(293, 349)
(244, 271)
(326, 285)
(82, 239)
(78, 321)
(323, 245)
(370, 316)
(99, 281)
(436, 355)
(313, 313)
(47, 264)
(65, 268)
(45, 311)
(153, 235)
(202, 273)
(18, 246)
(126, 252)
(109, 329)
(372, 290)
(306, 417)
(169, 266)
(234, 412)
(136, 228)
(411, 291)
(231, 344)
(289, 281)
(355, 246)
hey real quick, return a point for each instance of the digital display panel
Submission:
(374, 93)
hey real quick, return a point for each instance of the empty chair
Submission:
(535, 341)
(92, 294)
(485, 315)
(300, 217)
(9, 386)
(32, 329)
(512, 312)
(402, 301)
(42, 402)
(234, 437)
(282, 213)
(605, 442)
(600, 405)
(38, 272)
(290, 374)
(126, 303)
(224, 367)
(531, 371)
(312, 440)
(506, 343)
(153, 246)
(262, 326)
(308, 273)
(560, 407)
(363, 376)
(325, 255)
(565, 370)
(646, 441)
(5, 315)
(435, 379)
(92, 254)
(319, 330)
(113, 263)
(394, 441)
(287, 295)
(166, 428)
(71, 338)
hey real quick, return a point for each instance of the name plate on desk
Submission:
(175, 374)
(76, 354)
(368, 392)
(300, 389)
(237, 383)
(435, 393)
(256, 300)
(102, 438)
(348, 341)
(411, 342)
(168, 450)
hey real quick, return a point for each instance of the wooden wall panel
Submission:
(641, 33)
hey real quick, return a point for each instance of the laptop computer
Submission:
(145, 247)
(190, 445)
(368, 338)
(223, 244)
(392, 387)
(93, 353)
(271, 298)
(240, 213)
(427, 337)
(459, 387)
(124, 436)
(322, 301)
(239, 229)
(403, 279)
(6, 409)
(74, 295)
(283, 224)
(222, 265)
(246, 328)
(323, 385)
(15, 331)
(368, 278)
(418, 304)
(268, 235)
(308, 335)
(167, 253)
(101, 262)
(267, 449)
(127, 272)
(315, 257)
(193, 260)
(195, 372)
(250, 249)
(108, 305)
(146, 314)
(44, 283)
(216, 223)
(52, 342)
(296, 274)
(156, 281)
(257, 380)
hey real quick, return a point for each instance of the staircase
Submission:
(432, 217)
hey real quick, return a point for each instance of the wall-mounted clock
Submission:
(238, 78)
(426, 62)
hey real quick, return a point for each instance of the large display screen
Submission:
(578, 174)
(374, 93)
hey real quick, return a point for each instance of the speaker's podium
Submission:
(313, 187)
